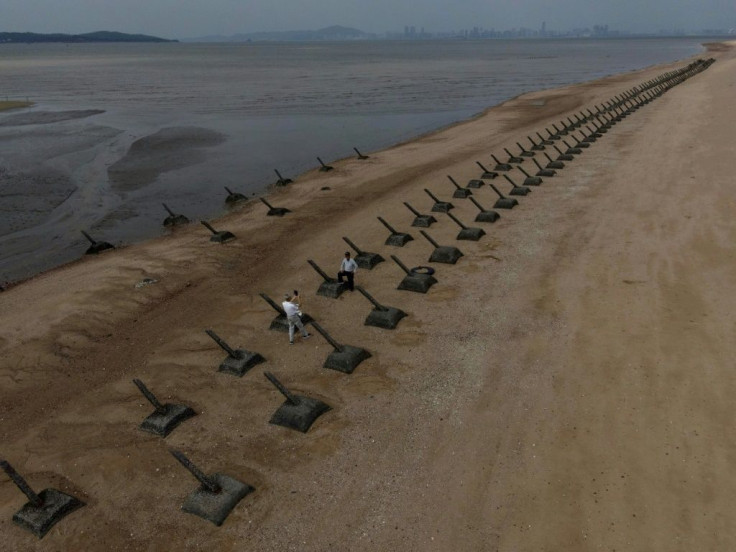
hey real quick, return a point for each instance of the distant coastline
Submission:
(98, 36)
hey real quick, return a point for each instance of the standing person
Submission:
(292, 308)
(347, 269)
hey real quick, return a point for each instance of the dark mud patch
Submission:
(167, 150)
(29, 197)
(47, 117)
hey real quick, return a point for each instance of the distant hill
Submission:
(99, 36)
(335, 32)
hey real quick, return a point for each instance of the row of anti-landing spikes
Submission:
(604, 117)
(218, 493)
(236, 197)
(322, 168)
(278, 211)
(483, 216)
(344, 358)
(297, 412)
(601, 120)
(568, 126)
(626, 97)
(211, 487)
(241, 356)
(580, 142)
(330, 287)
(421, 220)
(166, 417)
(176, 219)
(631, 99)
(689, 70)
(374, 318)
(694, 67)
(611, 111)
(223, 236)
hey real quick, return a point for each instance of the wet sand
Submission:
(66, 171)
(166, 150)
(566, 385)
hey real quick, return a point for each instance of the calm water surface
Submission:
(275, 105)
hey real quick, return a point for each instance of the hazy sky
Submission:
(193, 18)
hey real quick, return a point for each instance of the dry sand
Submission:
(567, 385)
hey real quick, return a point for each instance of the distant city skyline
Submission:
(179, 19)
(414, 32)
(600, 30)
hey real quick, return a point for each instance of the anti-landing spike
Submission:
(487, 175)
(484, 216)
(517, 190)
(344, 358)
(543, 171)
(360, 155)
(364, 259)
(460, 193)
(381, 316)
(446, 254)
(43, 510)
(217, 495)
(324, 168)
(439, 206)
(467, 232)
(282, 181)
(420, 220)
(418, 282)
(297, 412)
(397, 239)
(503, 202)
(329, 287)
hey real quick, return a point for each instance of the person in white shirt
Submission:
(292, 308)
(347, 269)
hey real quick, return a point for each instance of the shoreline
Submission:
(272, 189)
(113, 225)
(493, 398)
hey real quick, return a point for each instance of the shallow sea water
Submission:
(232, 113)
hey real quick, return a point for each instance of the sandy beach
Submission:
(564, 386)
